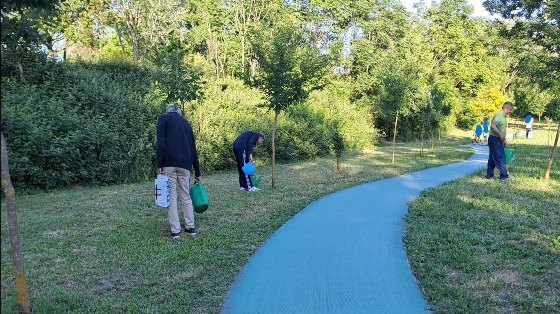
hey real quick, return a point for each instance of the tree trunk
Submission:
(135, 45)
(17, 257)
(274, 149)
(50, 44)
(330, 116)
(20, 68)
(240, 22)
(120, 37)
(395, 136)
(432, 140)
(130, 16)
(422, 145)
(547, 173)
(338, 171)
(548, 136)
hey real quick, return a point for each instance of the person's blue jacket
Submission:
(175, 143)
(246, 141)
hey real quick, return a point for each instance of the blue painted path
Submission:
(344, 252)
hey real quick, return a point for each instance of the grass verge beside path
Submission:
(485, 246)
(108, 249)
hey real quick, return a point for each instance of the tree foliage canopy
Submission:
(221, 61)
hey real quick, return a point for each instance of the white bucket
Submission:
(161, 191)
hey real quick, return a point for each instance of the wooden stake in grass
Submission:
(21, 285)
(547, 173)
(395, 137)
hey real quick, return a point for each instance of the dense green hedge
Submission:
(87, 123)
(81, 124)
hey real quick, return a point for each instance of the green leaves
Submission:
(289, 68)
(84, 124)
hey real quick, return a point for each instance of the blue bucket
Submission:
(249, 168)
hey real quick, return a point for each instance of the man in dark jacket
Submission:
(176, 156)
(243, 151)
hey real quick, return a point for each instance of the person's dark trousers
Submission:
(496, 158)
(241, 159)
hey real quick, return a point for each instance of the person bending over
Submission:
(243, 151)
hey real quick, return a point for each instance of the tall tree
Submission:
(397, 97)
(466, 63)
(76, 21)
(288, 69)
(130, 12)
(246, 16)
(22, 29)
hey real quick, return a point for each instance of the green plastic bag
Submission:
(510, 155)
(198, 196)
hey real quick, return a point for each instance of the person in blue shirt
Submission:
(243, 151)
(175, 157)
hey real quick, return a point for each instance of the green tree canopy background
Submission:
(83, 82)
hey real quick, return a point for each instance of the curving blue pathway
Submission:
(344, 252)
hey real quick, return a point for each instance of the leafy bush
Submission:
(229, 108)
(92, 123)
(355, 122)
(82, 124)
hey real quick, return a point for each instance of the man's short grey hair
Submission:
(173, 108)
(261, 135)
(507, 104)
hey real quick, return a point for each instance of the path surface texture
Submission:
(344, 252)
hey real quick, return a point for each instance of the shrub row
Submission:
(82, 124)
(86, 123)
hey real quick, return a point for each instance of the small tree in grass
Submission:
(338, 147)
(289, 68)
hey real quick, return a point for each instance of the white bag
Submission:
(530, 135)
(161, 190)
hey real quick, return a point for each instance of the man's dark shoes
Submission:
(175, 235)
(487, 177)
(190, 231)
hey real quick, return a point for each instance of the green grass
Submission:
(485, 246)
(108, 249)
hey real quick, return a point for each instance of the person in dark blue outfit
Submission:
(176, 156)
(243, 151)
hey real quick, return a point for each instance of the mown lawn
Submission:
(107, 249)
(485, 246)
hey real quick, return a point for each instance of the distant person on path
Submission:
(243, 151)
(497, 142)
(176, 156)
(529, 127)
